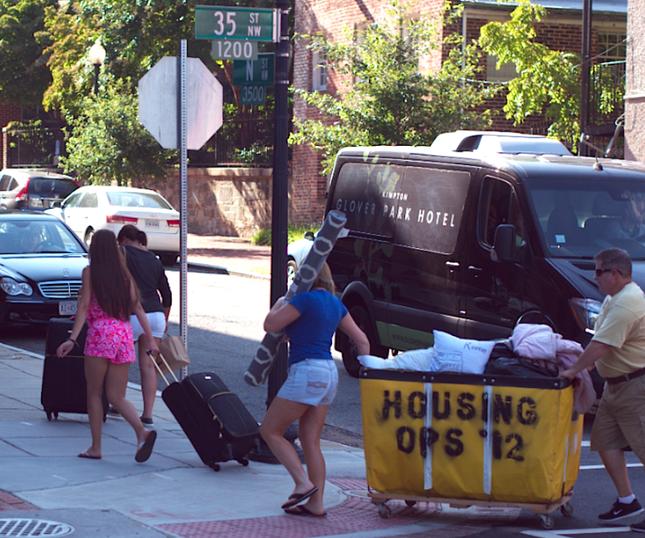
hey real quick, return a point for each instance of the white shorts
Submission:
(157, 322)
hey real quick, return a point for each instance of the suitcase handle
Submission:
(159, 370)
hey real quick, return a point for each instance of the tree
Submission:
(108, 143)
(547, 82)
(390, 101)
(23, 74)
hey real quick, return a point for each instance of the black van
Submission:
(471, 244)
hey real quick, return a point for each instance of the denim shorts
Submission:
(311, 382)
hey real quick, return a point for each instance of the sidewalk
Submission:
(229, 255)
(174, 494)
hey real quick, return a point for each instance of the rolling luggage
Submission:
(63, 384)
(213, 418)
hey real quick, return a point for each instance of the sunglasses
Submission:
(601, 271)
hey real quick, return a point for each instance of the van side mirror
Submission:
(309, 235)
(504, 244)
(57, 203)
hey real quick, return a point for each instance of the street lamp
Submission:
(96, 56)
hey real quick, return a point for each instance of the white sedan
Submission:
(95, 207)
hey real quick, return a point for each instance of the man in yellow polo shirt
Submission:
(618, 351)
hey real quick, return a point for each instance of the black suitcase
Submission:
(213, 418)
(63, 384)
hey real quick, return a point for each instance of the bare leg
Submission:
(311, 425)
(95, 372)
(281, 414)
(614, 462)
(148, 379)
(116, 382)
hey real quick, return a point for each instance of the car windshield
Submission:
(22, 236)
(579, 219)
(148, 200)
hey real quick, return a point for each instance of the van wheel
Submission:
(362, 318)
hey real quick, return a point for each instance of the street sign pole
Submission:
(182, 138)
(280, 192)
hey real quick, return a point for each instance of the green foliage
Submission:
(107, 143)
(23, 74)
(32, 133)
(547, 81)
(255, 154)
(390, 101)
(263, 236)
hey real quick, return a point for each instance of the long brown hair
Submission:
(109, 275)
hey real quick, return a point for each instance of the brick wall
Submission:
(635, 98)
(223, 201)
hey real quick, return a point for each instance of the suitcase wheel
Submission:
(243, 461)
(214, 466)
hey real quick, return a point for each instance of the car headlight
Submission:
(11, 287)
(585, 311)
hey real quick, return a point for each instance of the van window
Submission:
(499, 205)
(578, 218)
(412, 206)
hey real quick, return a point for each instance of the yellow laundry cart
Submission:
(470, 440)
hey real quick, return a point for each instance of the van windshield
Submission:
(578, 220)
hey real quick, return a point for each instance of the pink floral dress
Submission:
(108, 337)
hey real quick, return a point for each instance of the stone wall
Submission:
(635, 97)
(222, 201)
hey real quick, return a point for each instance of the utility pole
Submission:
(585, 76)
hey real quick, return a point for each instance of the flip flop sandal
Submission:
(145, 449)
(303, 511)
(88, 456)
(297, 498)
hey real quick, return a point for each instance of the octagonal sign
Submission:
(158, 102)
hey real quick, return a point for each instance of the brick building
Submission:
(561, 29)
(635, 96)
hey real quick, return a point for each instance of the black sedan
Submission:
(41, 261)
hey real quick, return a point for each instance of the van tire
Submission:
(362, 318)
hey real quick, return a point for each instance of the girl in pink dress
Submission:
(108, 296)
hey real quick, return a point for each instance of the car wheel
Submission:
(168, 259)
(292, 269)
(88, 237)
(362, 318)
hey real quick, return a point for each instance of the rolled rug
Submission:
(331, 229)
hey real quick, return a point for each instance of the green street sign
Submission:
(231, 22)
(223, 49)
(254, 72)
(253, 95)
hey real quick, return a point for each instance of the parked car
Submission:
(473, 243)
(94, 207)
(296, 253)
(25, 188)
(41, 261)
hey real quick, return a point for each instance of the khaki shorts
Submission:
(620, 419)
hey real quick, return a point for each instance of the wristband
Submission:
(72, 341)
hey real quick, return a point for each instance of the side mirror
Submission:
(504, 244)
(57, 203)
(309, 235)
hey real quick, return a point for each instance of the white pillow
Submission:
(452, 354)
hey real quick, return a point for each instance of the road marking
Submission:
(573, 532)
(601, 466)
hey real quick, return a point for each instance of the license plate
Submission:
(152, 223)
(67, 308)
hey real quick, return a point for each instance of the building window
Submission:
(612, 46)
(505, 73)
(318, 71)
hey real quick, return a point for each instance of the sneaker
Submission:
(638, 527)
(147, 421)
(621, 510)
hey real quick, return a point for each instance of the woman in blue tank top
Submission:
(309, 320)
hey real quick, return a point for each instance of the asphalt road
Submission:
(225, 315)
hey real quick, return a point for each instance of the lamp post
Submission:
(96, 56)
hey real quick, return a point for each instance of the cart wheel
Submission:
(567, 509)
(546, 521)
(410, 503)
(49, 415)
(384, 511)
(214, 466)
